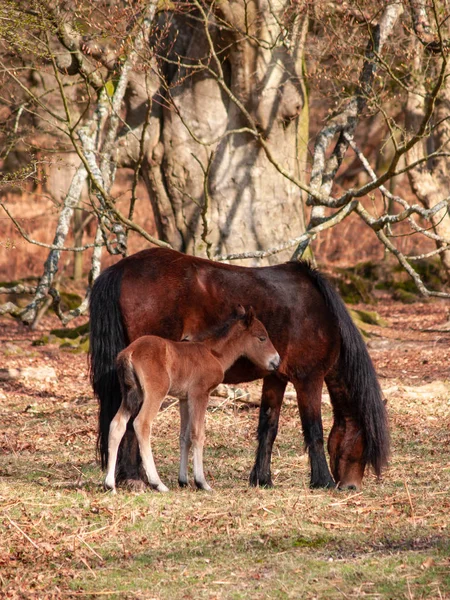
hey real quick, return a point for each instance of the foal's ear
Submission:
(250, 316)
(240, 311)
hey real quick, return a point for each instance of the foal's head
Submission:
(253, 340)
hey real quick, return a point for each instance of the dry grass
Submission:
(62, 536)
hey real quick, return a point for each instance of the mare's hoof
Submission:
(256, 480)
(134, 485)
(182, 483)
(328, 485)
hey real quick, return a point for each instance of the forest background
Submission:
(251, 131)
(243, 130)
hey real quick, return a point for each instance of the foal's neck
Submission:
(227, 350)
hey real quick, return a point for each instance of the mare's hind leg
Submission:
(117, 430)
(309, 400)
(269, 413)
(143, 428)
(345, 442)
(185, 443)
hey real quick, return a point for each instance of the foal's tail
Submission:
(356, 379)
(130, 386)
(107, 339)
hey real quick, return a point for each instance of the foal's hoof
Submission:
(202, 485)
(110, 485)
(161, 488)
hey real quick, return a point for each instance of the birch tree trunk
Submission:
(430, 179)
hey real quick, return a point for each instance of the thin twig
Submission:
(90, 548)
(85, 562)
(410, 503)
(14, 524)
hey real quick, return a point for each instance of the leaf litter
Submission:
(62, 536)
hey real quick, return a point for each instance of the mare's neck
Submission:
(227, 350)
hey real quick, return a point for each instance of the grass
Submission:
(62, 536)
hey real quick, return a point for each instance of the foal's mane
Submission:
(218, 331)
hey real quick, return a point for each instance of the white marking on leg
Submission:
(117, 430)
(199, 475)
(197, 411)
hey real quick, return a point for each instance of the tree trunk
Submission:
(78, 241)
(213, 188)
(429, 179)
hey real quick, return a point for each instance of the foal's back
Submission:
(169, 367)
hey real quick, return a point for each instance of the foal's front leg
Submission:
(185, 443)
(197, 404)
(117, 430)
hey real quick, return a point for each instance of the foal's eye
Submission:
(262, 338)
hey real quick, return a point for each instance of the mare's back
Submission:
(168, 293)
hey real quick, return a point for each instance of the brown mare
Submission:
(152, 367)
(166, 293)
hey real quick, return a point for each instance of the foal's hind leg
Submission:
(143, 427)
(309, 400)
(185, 443)
(269, 413)
(117, 430)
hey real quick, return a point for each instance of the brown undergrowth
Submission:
(62, 536)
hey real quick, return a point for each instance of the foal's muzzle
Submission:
(275, 363)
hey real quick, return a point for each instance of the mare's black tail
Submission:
(107, 339)
(357, 376)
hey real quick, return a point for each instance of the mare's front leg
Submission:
(197, 404)
(309, 400)
(117, 430)
(185, 443)
(269, 413)
(143, 428)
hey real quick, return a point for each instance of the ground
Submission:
(62, 536)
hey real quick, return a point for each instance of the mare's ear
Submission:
(239, 311)
(250, 316)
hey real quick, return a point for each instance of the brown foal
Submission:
(152, 367)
